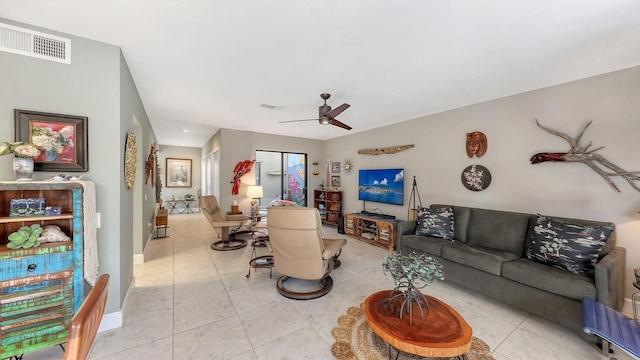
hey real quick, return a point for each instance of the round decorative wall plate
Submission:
(131, 157)
(476, 177)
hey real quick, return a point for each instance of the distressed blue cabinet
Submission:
(40, 288)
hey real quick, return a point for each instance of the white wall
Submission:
(180, 152)
(562, 189)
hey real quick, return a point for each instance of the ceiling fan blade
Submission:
(335, 112)
(288, 121)
(340, 124)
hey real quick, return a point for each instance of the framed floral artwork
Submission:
(178, 172)
(61, 139)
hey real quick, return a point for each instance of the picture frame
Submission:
(62, 139)
(335, 167)
(178, 172)
(335, 181)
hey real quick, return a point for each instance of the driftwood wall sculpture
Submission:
(580, 153)
(386, 150)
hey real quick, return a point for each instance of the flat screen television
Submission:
(381, 185)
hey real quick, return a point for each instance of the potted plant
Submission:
(411, 273)
(24, 154)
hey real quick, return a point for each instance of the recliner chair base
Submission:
(231, 244)
(326, 284)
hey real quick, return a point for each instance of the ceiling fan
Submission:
(326, 116)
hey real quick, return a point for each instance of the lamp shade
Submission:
(254, 191)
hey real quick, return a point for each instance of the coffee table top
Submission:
(442, 333)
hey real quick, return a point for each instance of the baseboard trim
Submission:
(115, 320)
(138, 259)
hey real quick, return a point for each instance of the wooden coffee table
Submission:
(442, 333)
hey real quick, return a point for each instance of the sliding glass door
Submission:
(282, 176)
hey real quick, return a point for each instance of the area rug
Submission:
(356, 341)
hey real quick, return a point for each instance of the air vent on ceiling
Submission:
(27, 42)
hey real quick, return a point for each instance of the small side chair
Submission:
(85, 323)
(226, 226)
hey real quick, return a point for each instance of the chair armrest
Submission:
(609, 276)
(221, 224)
(406, 227)
(332, 247)
(237, 217)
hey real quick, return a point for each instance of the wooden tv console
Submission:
(372, 229)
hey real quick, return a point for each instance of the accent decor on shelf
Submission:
(23, 162)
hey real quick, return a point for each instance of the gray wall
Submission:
(561, 189)
(138, 206)
(98, 85)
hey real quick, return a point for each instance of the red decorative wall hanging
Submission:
(241, 168)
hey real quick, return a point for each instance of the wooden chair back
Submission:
(85, 323)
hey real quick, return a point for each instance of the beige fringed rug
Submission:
(356, 341)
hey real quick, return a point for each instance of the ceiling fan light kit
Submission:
(327, 116)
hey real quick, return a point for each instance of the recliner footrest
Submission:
(611, 326)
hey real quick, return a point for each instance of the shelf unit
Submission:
(41, 288)
(329, 204)
(372, 229)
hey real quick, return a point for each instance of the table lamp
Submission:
(255, 192)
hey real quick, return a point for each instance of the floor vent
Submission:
(27, 42)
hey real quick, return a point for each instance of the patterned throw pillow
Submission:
(435, 223)
(567, 246)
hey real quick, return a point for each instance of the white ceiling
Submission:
(202, 65)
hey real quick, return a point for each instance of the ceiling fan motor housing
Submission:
(322, 114)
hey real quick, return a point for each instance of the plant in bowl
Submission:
(26, 237)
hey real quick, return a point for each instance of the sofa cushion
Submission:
(550, 279)
(426, 244)
(461, 215)
(498, 230)
(567, 246)
(477, 257)
(435, 223)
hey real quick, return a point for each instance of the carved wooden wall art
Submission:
(150, 166)
(580, 153)
(476, 144)
(386, 150)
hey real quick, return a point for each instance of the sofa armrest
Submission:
(609, 276)
(406, 227)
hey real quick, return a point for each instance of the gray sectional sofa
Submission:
(489, 255)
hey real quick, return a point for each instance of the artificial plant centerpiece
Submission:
(411, 273)
(24, 154)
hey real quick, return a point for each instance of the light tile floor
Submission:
(191, 302)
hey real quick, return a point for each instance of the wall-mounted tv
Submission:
(381, 185)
